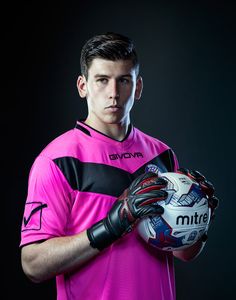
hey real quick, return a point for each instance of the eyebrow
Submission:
(106, 76)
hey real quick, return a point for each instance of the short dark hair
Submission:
(110, 46)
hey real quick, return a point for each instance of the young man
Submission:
(89, 187)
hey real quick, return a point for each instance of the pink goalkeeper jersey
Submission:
(73, 184)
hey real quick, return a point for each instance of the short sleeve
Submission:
(48, 202)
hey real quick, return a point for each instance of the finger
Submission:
(196, 175)
(151, 197)
(193, 174)
(151, 210)
(207, 188)
(141, 179)
(213, 202)
(184, 171)
(156, 183)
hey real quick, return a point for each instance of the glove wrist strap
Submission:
(100, 236)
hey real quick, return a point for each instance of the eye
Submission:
(124, 80)
(102, 80)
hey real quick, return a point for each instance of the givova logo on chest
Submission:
(125, 155)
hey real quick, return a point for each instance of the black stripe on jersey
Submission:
(165, 162)
(92, 177)
(86, 131)
(105, 179)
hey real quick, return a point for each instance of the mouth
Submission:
(113, 108)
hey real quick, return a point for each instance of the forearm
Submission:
(41, 261)
(190, 253)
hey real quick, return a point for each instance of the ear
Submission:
(139, 88)
(82, 86)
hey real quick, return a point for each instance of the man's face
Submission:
(110, 90)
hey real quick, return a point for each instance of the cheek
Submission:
(129, 104)
(128, 93)
(96, 92)
(93, 101)
(130, 90)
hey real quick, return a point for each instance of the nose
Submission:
(114, 90)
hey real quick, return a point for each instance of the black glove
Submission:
(137, 201)
(207, 187)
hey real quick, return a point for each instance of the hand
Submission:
(206, 186)
(137, 201)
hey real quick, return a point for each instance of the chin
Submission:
(113, 120)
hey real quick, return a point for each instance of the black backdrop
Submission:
(187, 54)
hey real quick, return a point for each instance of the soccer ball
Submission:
(185, 219)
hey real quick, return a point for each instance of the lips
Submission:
(113, 108)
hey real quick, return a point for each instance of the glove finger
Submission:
(142, 178)
(156, 183)
(207, 188)
(193, 174)
(151, 210)
(151, 197)
(184, 171)
(196, 175)
(213, 202)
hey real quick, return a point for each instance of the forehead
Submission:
(111, 68)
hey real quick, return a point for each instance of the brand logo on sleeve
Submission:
(33, 215)
(125, 155)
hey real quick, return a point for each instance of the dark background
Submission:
(187, 53)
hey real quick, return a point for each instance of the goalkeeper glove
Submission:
(138, 200)
(207, 187)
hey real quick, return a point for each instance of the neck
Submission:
(115, 131)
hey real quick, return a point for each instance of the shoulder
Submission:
(44, 169)
(63, 145)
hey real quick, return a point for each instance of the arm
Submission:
(42, 261)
